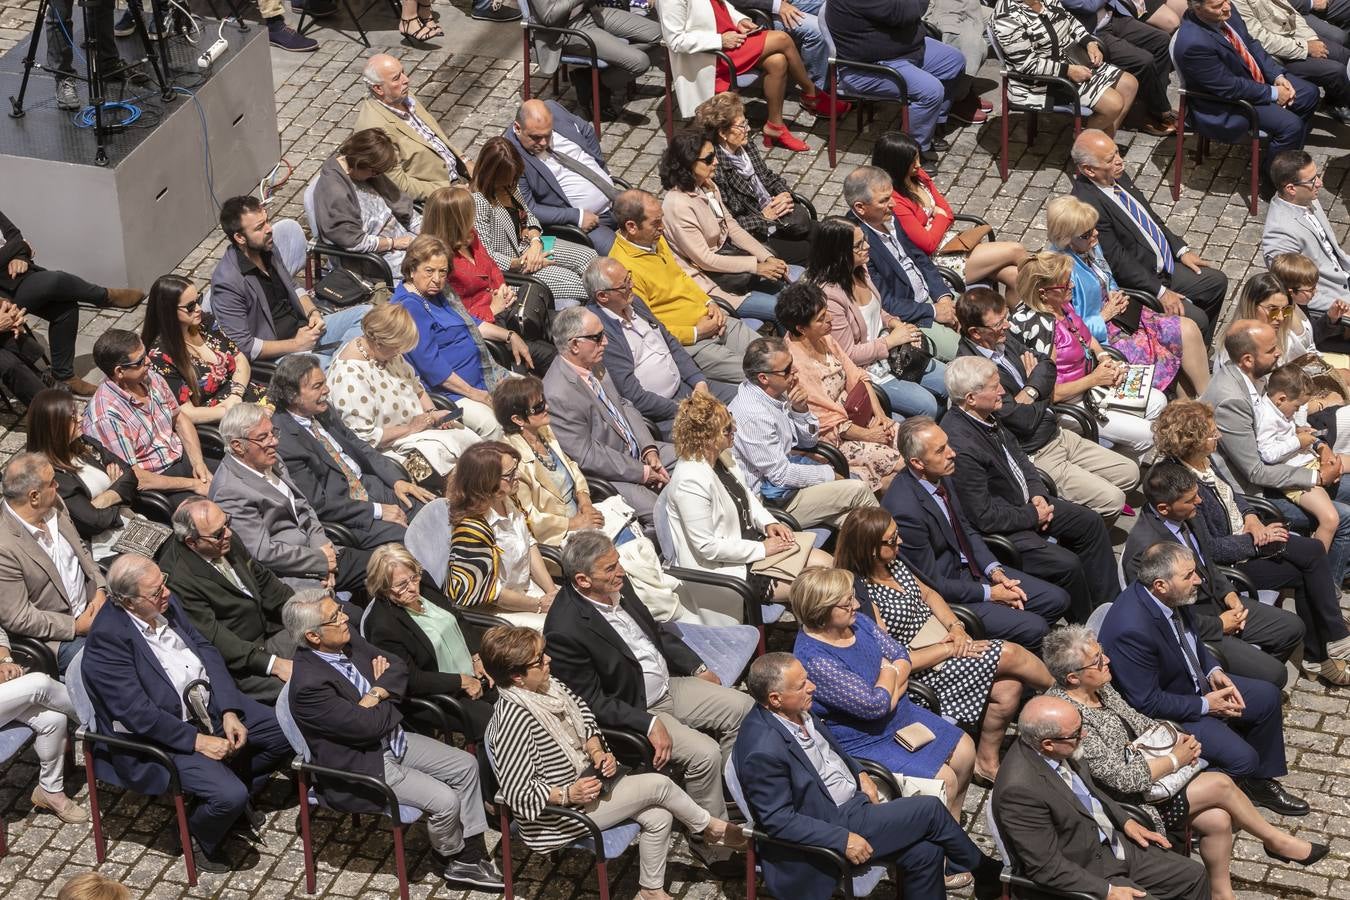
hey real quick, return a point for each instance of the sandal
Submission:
(425, 14)
(425, 30)
(783, 138)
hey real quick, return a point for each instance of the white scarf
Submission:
(560, 717)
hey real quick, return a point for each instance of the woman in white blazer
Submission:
(693, 29)
(714, 522)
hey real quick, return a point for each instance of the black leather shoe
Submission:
(1315, 855)
(1340, 114)
(1271, 794)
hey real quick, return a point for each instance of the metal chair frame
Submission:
(1053, 84)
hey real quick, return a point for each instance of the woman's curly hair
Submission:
(1182, 428)
(698, 428)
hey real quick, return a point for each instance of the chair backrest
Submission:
(309, 207)
(825, 31)
(288, 724)
(1098, 616)
(734, 786)
(993, 833)
(526, 16)
(365, 615)
(665, 542)
(994, 45)
(79, 692)
(428, 539)
(1172, 55)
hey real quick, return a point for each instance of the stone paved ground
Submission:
(473, 86)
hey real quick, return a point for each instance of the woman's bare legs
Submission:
(1194, 357)
(1168, 16)
(956, 775)
(1214, 790)
(1001, 259)
(1017, 667)
(780, 61)
(1216, 850)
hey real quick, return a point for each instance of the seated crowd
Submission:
(471, 537)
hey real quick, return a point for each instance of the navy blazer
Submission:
(789, 801)
(930, 546)
(1146, 664)
(322, 481)
(1128, 253)
(1206, 61)
(620, 365)
(539, 189)
(897, 294)
(127, 685)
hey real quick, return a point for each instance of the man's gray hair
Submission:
(599, 276)
(966, 375)
(766, 675)
(1042, 718)
(285, 384)
(1081, 152)
(124, 577)
(568, 324)
(583, 548)
(1062, 651)
(184, 524)
(1160, 561)
(240, 419)
(303, 613)
(862, 183)
(23, 475)
(910, 436)
(758, 355)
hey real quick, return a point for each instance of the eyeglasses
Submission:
(1001, 324)
(541, 406)
(1071, 738)
(1277, 313)
(729, 430)
(536, 663)
(709, 159)
(157, 592)
(339, 618)
(219, 532)
(136, 363)
(1099, 664)
(511, 477)
(1087, 235)
(1302, 290)
(892, 541)
(783, 373)
(860, 245)
(740, 126)
(848, 604)
(625, 288)
(399, 587)
(269, 437)
(1315, 180)
(193, 306)
(597, 337)
(1057, 287)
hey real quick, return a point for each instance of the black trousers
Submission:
(1304, 566)
(1328, 74)
(1080, 561)
(1337, 13)
(1262, 648)
(20, 359)
(54, 296)
(1142, 50)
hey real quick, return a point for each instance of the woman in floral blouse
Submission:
(207, 373)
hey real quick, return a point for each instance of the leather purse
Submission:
(914, 736)
(341, 287)
(967, 240)
(858, 405)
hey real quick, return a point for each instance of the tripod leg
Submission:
(17, 112)
(137, 14)
(95, 85)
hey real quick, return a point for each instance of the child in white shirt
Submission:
(1284, 438)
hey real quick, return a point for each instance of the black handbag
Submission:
(341, 287)
(908, 362)
(743, 282)
(529, 315)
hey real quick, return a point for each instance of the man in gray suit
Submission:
(593, 422)
(1254, 350)
(268, 513)
(622, 39)
(1296, 223)
(50, 587)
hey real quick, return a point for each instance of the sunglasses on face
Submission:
(191, 307)
(1276, 312)
(1087, 235)
(219, 532)
(541, 406)
(892, 541)
(709, 159)
(1071, 738)
(136, 363)
(780, 372)
(597, 337)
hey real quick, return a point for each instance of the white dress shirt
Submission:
(655, 672)
(831, 768)
(179, 661)
(916, 282)
(62, 555)
(653, 365)
(579, 192)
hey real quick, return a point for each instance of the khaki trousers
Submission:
(653, 801)
(269, 8)
(703, 720)
(830, 502)
(1087, 473)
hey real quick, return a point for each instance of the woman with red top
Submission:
(693, 28)
(928, 221)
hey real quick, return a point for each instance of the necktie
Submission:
(961, 540)
(396, 740)
(602, 184)
(1193, 544)
(223, 566)
(1090, 803)
(620, 423)
(355, 489)
(1192, 661)
(1247, 59)
(1148, 227)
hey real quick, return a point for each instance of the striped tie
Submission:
(396, 741)
(1148, 226)
(1242, 53)
(627, 432)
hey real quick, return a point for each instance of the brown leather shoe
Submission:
(79, 387)
(68, 811)
(124, 298)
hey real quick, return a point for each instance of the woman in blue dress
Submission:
(861, 675)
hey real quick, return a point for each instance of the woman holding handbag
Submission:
(1125, 751)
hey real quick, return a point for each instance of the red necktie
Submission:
(1242, 53)
(962, 541)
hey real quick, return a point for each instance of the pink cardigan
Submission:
(848, 327)
(828, 410)
(696, 233)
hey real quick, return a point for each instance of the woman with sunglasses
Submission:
(1050, 327)
(978, 683)
(494, 560)
(207, 373)
(1173, 344)
(1210, 803)
(1265, 299)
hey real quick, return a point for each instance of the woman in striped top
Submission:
(546, 749)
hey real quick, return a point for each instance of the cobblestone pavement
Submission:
(475, 97)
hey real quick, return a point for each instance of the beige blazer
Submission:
(421, 170)
(538, 496)
(32, 600)
(696, 233)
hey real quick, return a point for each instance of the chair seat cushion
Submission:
(13, 738)
(583, 61)
(772, 612)
(616, 840)
(725, 649)
(407, 814)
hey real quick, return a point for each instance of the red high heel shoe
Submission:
(820, 104)
(784, 139)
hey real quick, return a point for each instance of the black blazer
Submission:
(323, 482)
(13, 247)
(389, 627)
(1127, 251)
(590, 658)
(1033, 424)
(1149, 529)
(986, 484)
(930, 546)
(236, 623)
(88, 519)
(340, 732)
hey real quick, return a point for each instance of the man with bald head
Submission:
(566, 181)
(1065, 833)
(1143, 253)
(148, 670)
(1253, 351)
(426, 158)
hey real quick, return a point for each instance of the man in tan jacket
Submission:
(1287, 35)
(426, 158)
(50, 588)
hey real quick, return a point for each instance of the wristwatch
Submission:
(1032, 392)
(700, 670)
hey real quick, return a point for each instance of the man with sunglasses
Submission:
(1068, 835)
(1297, 223)
(233, 600)
(135, 415)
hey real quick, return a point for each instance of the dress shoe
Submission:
(1159, 128)
(1335, 671)
(79, 387)
(783, 138)
(1315, 855)
(968, 111)
(483, 875)
(1271, 794)
(123, 298)
(1340, 114)
(216, 863)
(69, 812)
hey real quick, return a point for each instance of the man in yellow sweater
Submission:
(716, 343)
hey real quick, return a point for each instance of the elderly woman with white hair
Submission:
(1209, 802)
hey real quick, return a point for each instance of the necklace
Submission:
(542, 452)
(365, 353)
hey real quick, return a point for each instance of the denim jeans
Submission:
(810, 42)
(1339, 554)
(342, 325)
(921, 398)
(927, 84)
(761, 305)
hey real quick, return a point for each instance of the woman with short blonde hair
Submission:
(93, 886)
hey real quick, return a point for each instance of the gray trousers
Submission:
(962, 25)
(720, 357)
(618, 37)
(653, 801)
(62, 31)
(703, 720)
(443, 783)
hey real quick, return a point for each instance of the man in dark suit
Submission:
(566, 181)
(652, 370)
(344, 696)
(346, 480)
(232, 600)
(1216, 54)
(1084, 471)
(1163, 669)
(950, 555)
(152, 675)
(910, 285)
(1256, 639)
(608, 649)
(800, 785)
(1065, 833)
(1143, 254)
(1001, 490)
